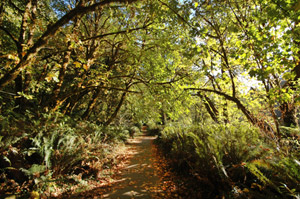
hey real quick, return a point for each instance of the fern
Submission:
(255, 171)
(34, 170)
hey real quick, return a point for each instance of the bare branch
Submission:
(246, 112)
(110, 88)
(176, 13)
(115, 33)
(8, 93)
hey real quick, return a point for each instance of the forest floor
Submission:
(145, 175)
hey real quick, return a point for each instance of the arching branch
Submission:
(51, 31)
(255, 121)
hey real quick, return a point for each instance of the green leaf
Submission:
(7, 160)
(29, 97)
(34, 169)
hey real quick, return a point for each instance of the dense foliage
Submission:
(219, 78)
(233, 160)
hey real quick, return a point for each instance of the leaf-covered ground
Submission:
(145, 174)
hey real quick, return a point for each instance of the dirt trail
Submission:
(139, 178)
(144, 176)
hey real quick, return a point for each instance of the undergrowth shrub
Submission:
(233, 160)
(44, 154)
(153, 128)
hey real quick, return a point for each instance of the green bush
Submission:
(233, 160)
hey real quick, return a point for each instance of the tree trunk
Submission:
(19, 88)
(288, 112)
(91, 104)
(210, 107)
(115, 113)
(73, 101)
(251, 118)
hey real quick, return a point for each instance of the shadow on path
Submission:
(147, 175)
(139, 177)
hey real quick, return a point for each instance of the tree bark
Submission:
(20, 48)
(288, 109)
(115, 113)
(91, 104)
(210, 107)
(19, 102)
(288, 112)
(62, 72)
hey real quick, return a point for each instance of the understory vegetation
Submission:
(55, 154)
(234, 160)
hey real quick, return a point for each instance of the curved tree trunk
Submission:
(251, 118)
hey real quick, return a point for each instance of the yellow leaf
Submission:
(246, 190)
(13, 57)
(196, 4)
(48, 78)
(57, 65)
(85, 66)
(11, 197)
(77, 64)
(34, 195)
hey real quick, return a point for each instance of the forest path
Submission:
(146, 175)
(140, 177)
